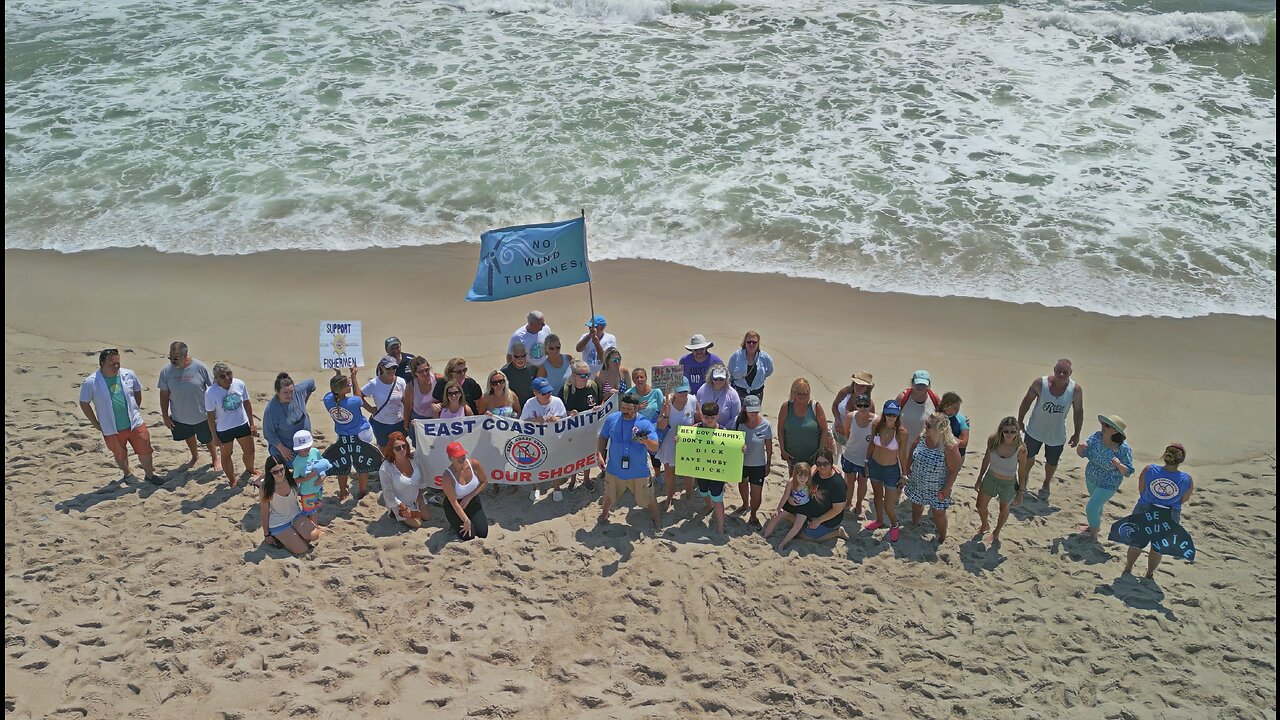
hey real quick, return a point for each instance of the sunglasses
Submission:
(616, 360)
(176, 358)
(277, 470)
(387, 368)
(1009, 430)
(583, 375)
(460, 370)
(863, 406)
(454, 393)
(823, 463)
(753, 342)
(498, 382)
(400, 448)
(519, 357)
(717, 379)
(222, 376)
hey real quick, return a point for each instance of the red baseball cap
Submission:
(455, 450)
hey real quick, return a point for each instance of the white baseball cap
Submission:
(302, 440)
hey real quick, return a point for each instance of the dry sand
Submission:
(128, 600)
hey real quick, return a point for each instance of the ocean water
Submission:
(1118, 157)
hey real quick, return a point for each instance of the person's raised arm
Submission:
(582, 343)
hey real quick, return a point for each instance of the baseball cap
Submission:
(302, 440)
(388, 361)
(390, 342)
(630, 398)
(683, 386)
(751, 404)
(698, 342)
(455, 450)
(863, 399)
(891, 408)
(921, 377)
(719, 374)
(541, 385)
(597, 321)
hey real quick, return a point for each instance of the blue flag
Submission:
(526, 259)
(1155, 527)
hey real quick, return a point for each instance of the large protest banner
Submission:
(1156, 527)
(514, 452)
(340, 344)
(526, 259)
(709, 454)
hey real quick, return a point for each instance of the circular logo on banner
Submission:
(1164, 488)
(525, 453)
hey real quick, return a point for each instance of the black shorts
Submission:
(755, 474)
(201, 431)
(235, 433)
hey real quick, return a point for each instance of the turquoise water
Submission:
(1116, 157)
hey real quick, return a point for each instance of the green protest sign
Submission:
(709, 454)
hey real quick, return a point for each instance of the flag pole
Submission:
(591, 297)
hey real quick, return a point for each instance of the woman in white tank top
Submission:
(998, 475)
(462, 483)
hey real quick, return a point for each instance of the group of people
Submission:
(914, 444)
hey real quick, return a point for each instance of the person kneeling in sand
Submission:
(283, 522)
(825, 510)
(628, 439)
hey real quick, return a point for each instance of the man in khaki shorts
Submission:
(628, 438)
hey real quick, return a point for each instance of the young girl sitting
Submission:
(795, 497)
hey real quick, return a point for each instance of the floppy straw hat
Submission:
(1114, 421)
(862, 377)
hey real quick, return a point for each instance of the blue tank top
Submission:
(1165, 488)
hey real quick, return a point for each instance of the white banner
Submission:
(340, 344)
(514, 452)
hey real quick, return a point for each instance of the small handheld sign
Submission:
(340, 344)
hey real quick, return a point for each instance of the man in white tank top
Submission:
(1048, 399)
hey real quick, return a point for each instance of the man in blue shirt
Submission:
(629, 439)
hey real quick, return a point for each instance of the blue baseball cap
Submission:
(892, 408)
(921, 377)
(597, 321)
(683, 386)
(541, 386)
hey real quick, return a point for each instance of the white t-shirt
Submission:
(589, 354)
(392, 411)
(534, 343)
(534, 409)
(228, 405)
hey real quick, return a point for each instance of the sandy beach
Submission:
(131, 600)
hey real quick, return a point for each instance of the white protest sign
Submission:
(340, 344)
(514, 452)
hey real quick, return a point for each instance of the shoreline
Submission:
(1217, 377)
